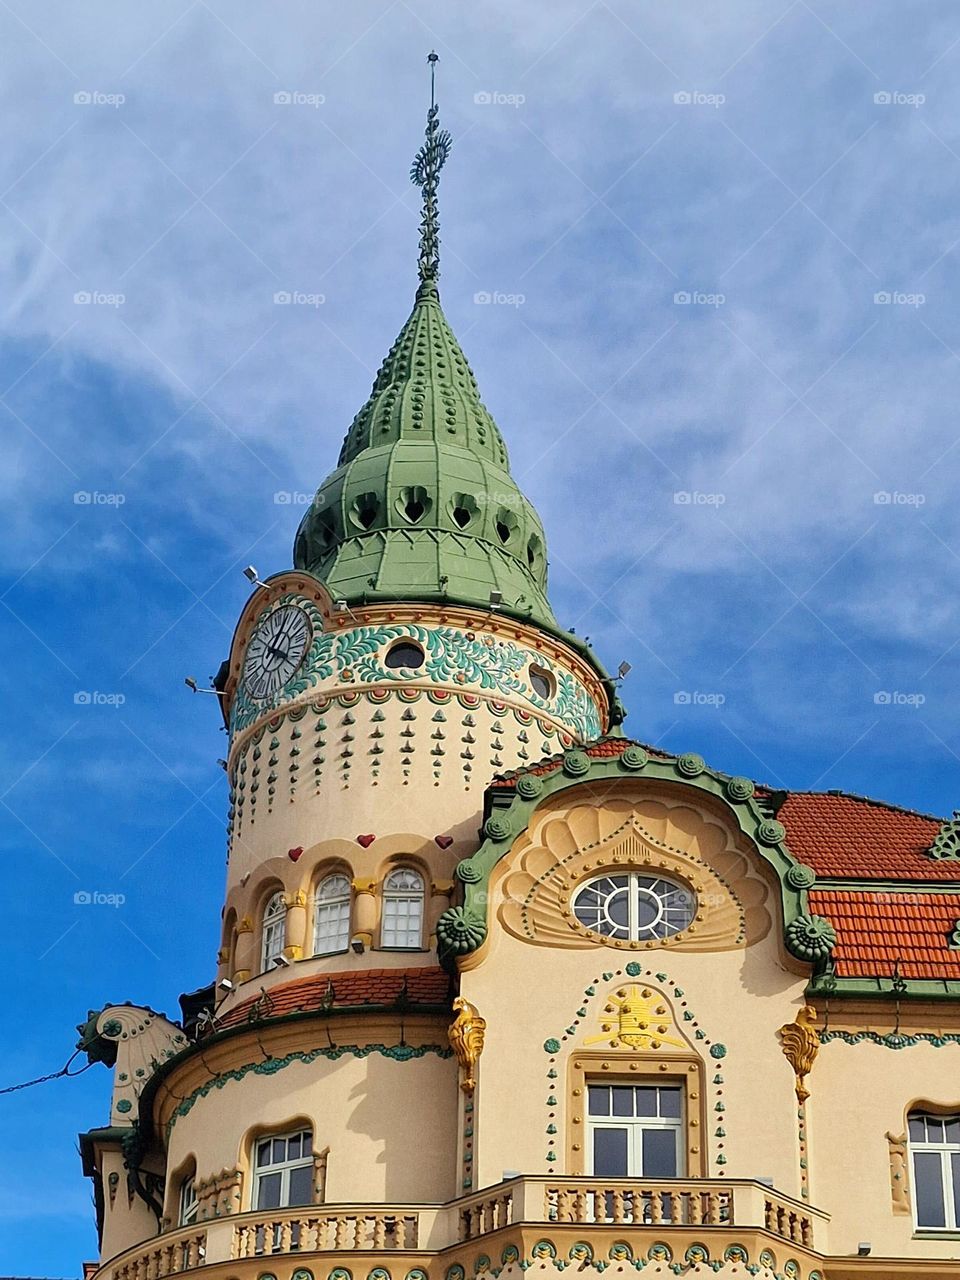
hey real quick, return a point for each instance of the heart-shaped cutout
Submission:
(294, 854)
(365, 841)
(443, 841)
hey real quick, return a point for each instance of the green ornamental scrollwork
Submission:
(497, 827)
(740, 788)
(771, 832)
(690, 764)
(810, 938)
(468, 872)
(529, 786)
(459, 931)
(634, 758)
(800, 876)
(451, 657)
(576, 764)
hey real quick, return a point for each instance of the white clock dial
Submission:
(275, 651)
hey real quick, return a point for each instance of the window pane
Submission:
(622, 1101)
(268, 1191)
(934, 1129)
(307, 1143)
(646, 1102)
(953, 1131)
(955, 1176)
(599, 1100)
(293, 1147)
(279, 1150)
(300, 1185)
(610, 1153)
(659, 1153)
(928, 1184)
(918, 1132)
(670, 1103)
(263, 1152)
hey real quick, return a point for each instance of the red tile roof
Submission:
(854, 838)
(876, 929)
(351, 990)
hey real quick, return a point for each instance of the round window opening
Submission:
(634, 907)
(542, 682)
(405, 654)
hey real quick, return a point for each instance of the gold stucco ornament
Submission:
(466, 1038)
(801, 1044)
(636, 1019)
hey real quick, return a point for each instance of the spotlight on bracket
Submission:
(252, 576)
(227, 984)
(863, 1249)
(623, 670)
(357, 944)
(191, 683)
(496, 599)
(281, 961)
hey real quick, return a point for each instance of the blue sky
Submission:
(708, 471)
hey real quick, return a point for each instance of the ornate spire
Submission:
(425, 174)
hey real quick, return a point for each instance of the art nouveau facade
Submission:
(499, 987)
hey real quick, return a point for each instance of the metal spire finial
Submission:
(425, 174)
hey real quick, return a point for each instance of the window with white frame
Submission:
(635, 1131)
(188, 1201)
(274, 929)
(331, 925)
(402, 923)
(637, 907)
(283, 1171)
(935, 1152)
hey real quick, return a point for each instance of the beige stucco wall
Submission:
(389, 1125)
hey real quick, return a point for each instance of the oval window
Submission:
(542, 682)
(634, 907)
(405, 654)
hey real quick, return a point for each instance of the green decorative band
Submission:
(451, 657)
(270, 1066)
(576, 764)
(891, 1040)
(801, 876)
(468, 872)
(634, 758)
(740, 789)
(459, 931)
(529, 786)
(691, 765)
(810, 938)
(771, 832)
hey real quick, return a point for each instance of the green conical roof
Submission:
(422, 505)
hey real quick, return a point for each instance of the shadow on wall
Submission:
(410, 1110)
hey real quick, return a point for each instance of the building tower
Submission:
(499, 987)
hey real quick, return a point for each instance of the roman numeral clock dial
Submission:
(275, 652)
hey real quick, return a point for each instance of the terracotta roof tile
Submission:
(876, 930)
(426, 986)
(855, 838)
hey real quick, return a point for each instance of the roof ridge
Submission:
(871, 800)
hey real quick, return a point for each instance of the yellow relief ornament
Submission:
(638, 1019)
(466, 1038)
(801, 1044)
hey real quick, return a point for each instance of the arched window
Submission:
(935, 1150)
(188, 1201)
(402, 923)
(274, 928)
(331, 926)
(283, 1171)
(637, 907)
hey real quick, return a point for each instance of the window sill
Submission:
(936, 1233)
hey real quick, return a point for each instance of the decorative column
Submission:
(243, 963)
(365, 910)
(296, 924)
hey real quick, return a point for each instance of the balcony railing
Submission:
(594, 1205)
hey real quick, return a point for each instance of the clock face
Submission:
(276, 651)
